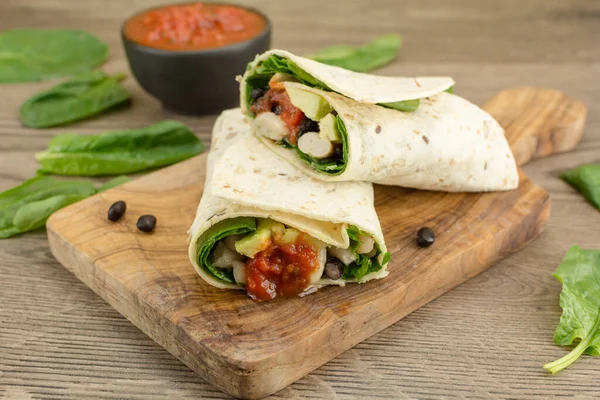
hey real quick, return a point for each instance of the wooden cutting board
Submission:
(250, 349)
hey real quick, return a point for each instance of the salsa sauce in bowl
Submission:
(198, 26)
(188, 55)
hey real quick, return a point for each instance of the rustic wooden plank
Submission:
(485, 339)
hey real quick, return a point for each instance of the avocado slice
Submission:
(312, 105)
(288, 237)
(328, 129)
(260, 239)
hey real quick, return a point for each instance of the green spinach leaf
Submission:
(27, 207)
(220, 230)
(120, 152)
(579, 274)
(36, 189)
(406, 105)
(79, 98)
(586, 179)
(364, 264)
(364, 58)
(34, 215)
(28, 55)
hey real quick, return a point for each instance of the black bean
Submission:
(308, 125)
(257, 93)
(276, 109)
(335, 113)
(338, 152)
(146, 223)
(117, 210)
(425, 237)
(334, 268)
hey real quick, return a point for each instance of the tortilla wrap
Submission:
(244, 180)
(446, 143)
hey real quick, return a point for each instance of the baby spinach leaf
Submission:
(79, 98)
(34, 215)
(120, 152)
(35, 189)
(586, 179)
(27, 207)
(364, 264)
(405, 105)
(28, 55)
(364, 58)
(220, 230)
(579, 274)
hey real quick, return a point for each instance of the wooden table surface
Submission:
(486, 339)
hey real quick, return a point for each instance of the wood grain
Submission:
(251, 350)
(484, 339)
(553, 124)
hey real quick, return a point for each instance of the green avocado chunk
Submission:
(312, 105)
(260, 239)
(328, 129)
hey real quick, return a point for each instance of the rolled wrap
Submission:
(446, 143)
(244, 180)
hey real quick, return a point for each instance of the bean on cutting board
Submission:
(146, 223)
(117, 210)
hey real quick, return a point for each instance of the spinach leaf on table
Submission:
(78, 98)
(579, 274)
(364, 58)
(120, 152)
(36, 189)
(586, 179)
(34, 215)
(28, 55)
(28, 206)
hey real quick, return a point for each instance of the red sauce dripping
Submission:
(276, 98)
(281, 271)
(194, 26)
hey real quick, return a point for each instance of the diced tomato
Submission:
(281, 271)
(277, 100)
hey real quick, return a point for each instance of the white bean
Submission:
(223, 257)
(312, 144)
(230, 241)
(239, 272)
(366, 244)
(269, 125)
(344, 255)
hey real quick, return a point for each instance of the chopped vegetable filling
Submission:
(272, 260)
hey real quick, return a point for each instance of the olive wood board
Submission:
(250, 349)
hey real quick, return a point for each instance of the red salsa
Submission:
(281, 271)
(194, 26)
(277, 100)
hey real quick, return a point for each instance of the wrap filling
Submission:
(299, 119)
(272, 260)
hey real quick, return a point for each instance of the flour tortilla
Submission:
(243, 179)
(446, 144)
(361, 87)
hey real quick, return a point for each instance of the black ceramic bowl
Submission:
(195, 82)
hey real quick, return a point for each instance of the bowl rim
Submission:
(233, 46)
